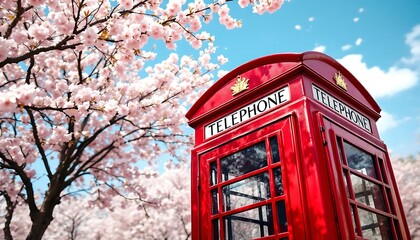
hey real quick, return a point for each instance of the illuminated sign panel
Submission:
(341, 108)
(264, 104)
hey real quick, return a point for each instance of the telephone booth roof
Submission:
(262, 70)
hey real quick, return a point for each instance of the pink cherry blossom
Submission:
(36, 3)
(221, 59)
(243, 3)
(224, 11)
(4, 48)
(39, 32)
(126, 4)
(87, 106)
(8, 102)
(90, 36)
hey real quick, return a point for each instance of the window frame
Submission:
(338, 136)
(283, 131)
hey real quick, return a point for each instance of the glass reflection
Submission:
(215, 201)
(244, 161)
(278, 182)
(345, 183)
(339, 150)
(213, 173)
(274, 149)
(381, 165)
(246, 191)
(216, 229)
(254, 223)
(374, 226)
(360, 160)
(367, 192)
(281, 215)
(354, 220)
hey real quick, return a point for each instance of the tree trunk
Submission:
(42, 218)
(10, 208)
(40, 225)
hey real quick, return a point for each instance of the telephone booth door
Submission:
(251, 191)
(363, 183)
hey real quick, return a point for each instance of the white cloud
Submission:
(386, 122)
(358, 41)
(346, 47)
(380, 82)
(311, 19)
(412, 39)
(356, 19)
(361, 10)
(320, 48)
(298, 27)
(389, 121)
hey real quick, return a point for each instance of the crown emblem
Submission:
(241, 84)
(339, 80)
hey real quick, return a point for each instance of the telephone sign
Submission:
(287, 147)
(341, 108)
(247, 112)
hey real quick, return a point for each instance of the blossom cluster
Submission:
(163, 210)
(84, 96)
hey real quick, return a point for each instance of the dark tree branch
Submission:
(79, 67)
(59, 46)
(10, 208)
(39, 143)
(19, 12)
(29, 71)
(30, 198)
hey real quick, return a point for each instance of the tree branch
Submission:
(59, 46)
(29, 71)
(19, 12)
(10, 208)
(30, 199)
(38, 143)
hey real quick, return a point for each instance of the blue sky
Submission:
(377, 40)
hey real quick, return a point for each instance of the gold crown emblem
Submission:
(339, 80)
(241, 84)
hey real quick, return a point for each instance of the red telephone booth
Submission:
(286, 147)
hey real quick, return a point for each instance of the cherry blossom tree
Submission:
(164, 212)
(407, 174)
(83, 98)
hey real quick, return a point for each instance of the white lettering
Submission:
(262, 105)
(341, 108)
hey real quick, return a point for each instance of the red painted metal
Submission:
(311, 128)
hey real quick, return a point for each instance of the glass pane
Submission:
(215, 201)
(360, 160)
(374, 226)
(367, 192)
(274, 149)
(391, 203)
(249, 224)
(244, 161)
(352, 209)
(213, 173)
(215, 229)
(397, 229)
(346, 186)
(340, 153)
(281, 215)
(381, 165)
(278, 182)
(246, 191)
